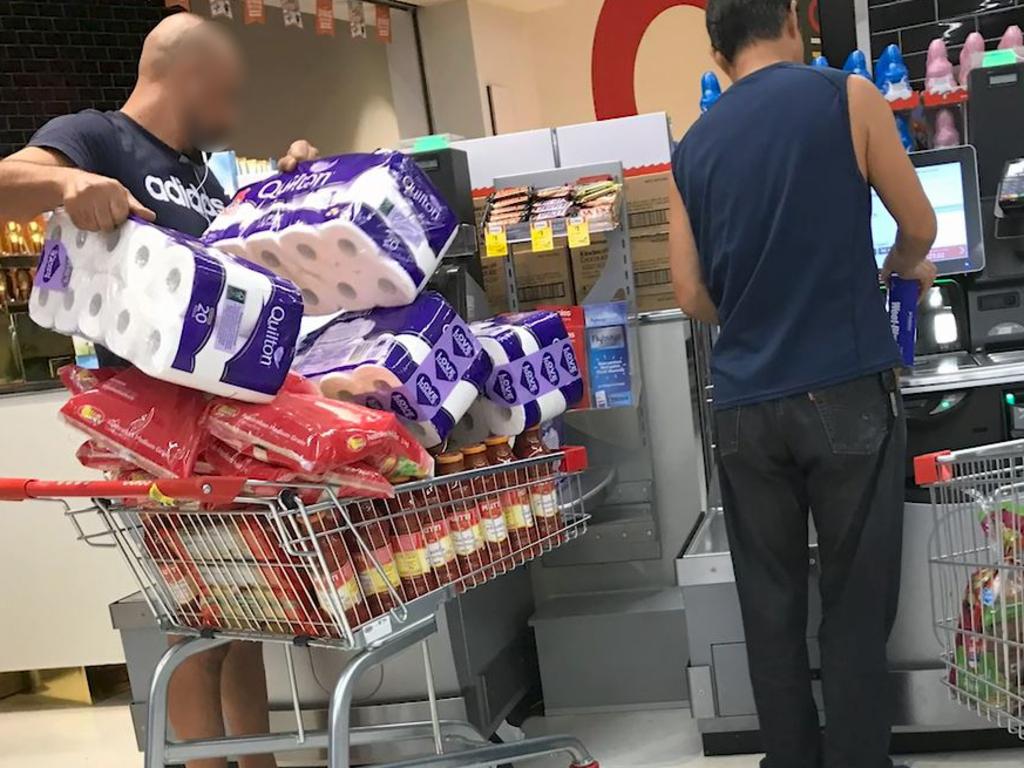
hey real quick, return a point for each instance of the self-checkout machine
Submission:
(960, 393)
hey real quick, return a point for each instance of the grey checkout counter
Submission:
(952, 401)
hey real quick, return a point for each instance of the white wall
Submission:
(504, 61)
(452, 77)
(55, 589)
(406, 83)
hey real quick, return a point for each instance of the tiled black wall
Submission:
(60, 57)
(913, 24)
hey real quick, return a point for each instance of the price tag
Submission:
(541, 236)
(578, 230)
(496, 241)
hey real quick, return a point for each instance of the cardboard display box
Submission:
(495, 283)
(652, 274)
(543, 278)
(650, 271)
(647, 202)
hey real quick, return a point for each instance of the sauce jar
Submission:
(437, 529)
(409, 543)
(376, 586)
(463, 518)
(515, 502)
(543, 489)
(492, 516)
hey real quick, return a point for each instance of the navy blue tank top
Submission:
(782, 219)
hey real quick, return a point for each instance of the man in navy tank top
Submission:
(771, 241)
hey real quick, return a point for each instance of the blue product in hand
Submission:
(857, 64)
(903, 296)
(820, 62)
(710, 91)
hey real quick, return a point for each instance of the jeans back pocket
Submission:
(855, 415)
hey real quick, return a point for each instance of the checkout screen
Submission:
(944, 187)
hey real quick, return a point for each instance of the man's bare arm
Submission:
(32, 181)
(35, 180)
(887, 168)
(687, 278)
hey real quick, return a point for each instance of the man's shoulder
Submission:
(85, 120)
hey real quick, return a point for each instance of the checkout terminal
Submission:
(966, 388)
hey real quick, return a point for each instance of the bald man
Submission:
(146, 159)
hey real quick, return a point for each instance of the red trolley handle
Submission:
(216, 490)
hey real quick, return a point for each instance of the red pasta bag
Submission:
(356, 481)
(155, 425)
(312, 435)
(78, 380)
(94, 455)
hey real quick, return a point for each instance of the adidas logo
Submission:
(173, 191)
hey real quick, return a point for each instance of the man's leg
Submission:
(854, 449)
(244, 693)
(193, 700)
(766, 517)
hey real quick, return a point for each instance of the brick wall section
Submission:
(913, 24)
(60, 57)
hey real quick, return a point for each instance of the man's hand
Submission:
(97, 203)
(298, 152)
(923, 272)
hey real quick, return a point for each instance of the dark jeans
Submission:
(837, 453)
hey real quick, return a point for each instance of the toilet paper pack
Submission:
(535, 375)
(421, 362)
(354, 231)
(177, 310)
(345, 257)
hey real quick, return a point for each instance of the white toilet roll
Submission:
(94, 319)
(42, 306)
(123, 337)
(403, 352)
(340, 267)
(73, 303)
(159, 275)
(472, 428)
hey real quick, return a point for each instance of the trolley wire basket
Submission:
(221, 558)
(977, 575)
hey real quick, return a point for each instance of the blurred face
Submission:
(211, 87)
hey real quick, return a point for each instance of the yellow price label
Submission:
(496, 241)
(541, 236)
(578, 231)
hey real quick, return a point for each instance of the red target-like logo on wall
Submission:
(620, 30)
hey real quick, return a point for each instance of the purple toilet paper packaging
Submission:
(536, 376)
(354, 231)
(177, 310)
(422, 362)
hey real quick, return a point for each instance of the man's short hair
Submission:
(735, 24)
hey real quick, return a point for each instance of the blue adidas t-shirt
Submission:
(173, 185)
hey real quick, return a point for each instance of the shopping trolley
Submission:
(977, 575)
(221, 559)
